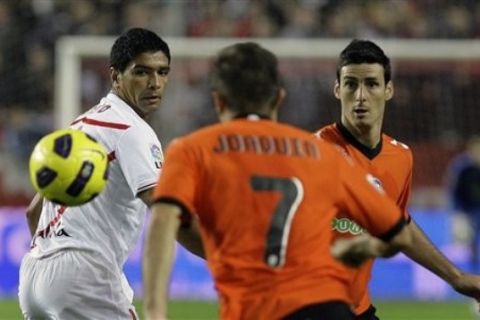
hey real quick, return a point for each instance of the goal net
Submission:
(434, 109)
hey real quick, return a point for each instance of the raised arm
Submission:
(355, 251)
(33, 213)
(420, 249)
(427, 255)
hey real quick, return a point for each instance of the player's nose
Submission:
(155, 81)
(360, 94)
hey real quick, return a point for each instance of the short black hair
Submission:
(246, 75)
(364, 51)
(134, 42)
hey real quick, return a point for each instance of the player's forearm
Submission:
(191, 239)
(158, 261)
(355, 251)
(33, 213)
(426, 254)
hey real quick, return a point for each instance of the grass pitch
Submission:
(392, 310)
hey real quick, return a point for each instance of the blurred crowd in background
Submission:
(433, 108)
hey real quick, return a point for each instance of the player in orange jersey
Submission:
(363, 86)
(265, 195)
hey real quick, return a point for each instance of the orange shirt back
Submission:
(391, 162)
(265, 194)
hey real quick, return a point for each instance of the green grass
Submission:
(415, 310)
(398, 310)
(178, 310)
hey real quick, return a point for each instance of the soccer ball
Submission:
(69, 167)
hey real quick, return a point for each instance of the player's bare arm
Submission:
(158, 258)
(146, 196)
(427, 255)
(33, 213)
(189, 237)
(357, 250)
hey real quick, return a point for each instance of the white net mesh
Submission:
(433, 110)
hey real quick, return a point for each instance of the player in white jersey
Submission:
(74, 267)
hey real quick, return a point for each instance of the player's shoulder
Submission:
(110, 113)
(270, 128)
(395, 144)
(392, 145)
(116, 124)
(331, 140)
(331, 134)
(240, 132)
(327, 133)
(202, 138)
(204, 133)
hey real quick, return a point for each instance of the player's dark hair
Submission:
(364, 51)
(246, 75)
(133, 42)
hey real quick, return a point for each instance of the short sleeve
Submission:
(180, 176)
(140, 157)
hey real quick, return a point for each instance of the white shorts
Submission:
(74, 285)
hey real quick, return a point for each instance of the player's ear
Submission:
(389, 90)
(219, 103)
(114, 75)
(277, 102)
(336, 89)
(281, 94)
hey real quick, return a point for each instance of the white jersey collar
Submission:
(121, 103)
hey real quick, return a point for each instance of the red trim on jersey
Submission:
(99, 123)
(44, 232)
(111, 156)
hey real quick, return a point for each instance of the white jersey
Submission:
(112, 222)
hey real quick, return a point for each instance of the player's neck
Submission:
(141, 114)
(228, 115)
(369, 136)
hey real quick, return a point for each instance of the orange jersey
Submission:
(391, 162)
(265, 194)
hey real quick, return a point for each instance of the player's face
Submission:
(363, 92)
(142, 83)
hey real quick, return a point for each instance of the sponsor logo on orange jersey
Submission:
(344, 225)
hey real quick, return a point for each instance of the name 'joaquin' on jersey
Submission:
(266, 144)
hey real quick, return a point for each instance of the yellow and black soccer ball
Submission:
(69, 167)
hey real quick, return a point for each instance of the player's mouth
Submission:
(360, 112)
(152, 99)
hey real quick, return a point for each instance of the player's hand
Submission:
(467, 284)
(353, 251)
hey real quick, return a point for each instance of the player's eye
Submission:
(140, 72)
(163, 72)
(349, 84)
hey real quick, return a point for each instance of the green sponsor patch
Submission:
(345, 225)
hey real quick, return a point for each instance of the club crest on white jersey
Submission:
(156, 152)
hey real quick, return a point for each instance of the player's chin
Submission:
(148, 107)
(363, 120)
